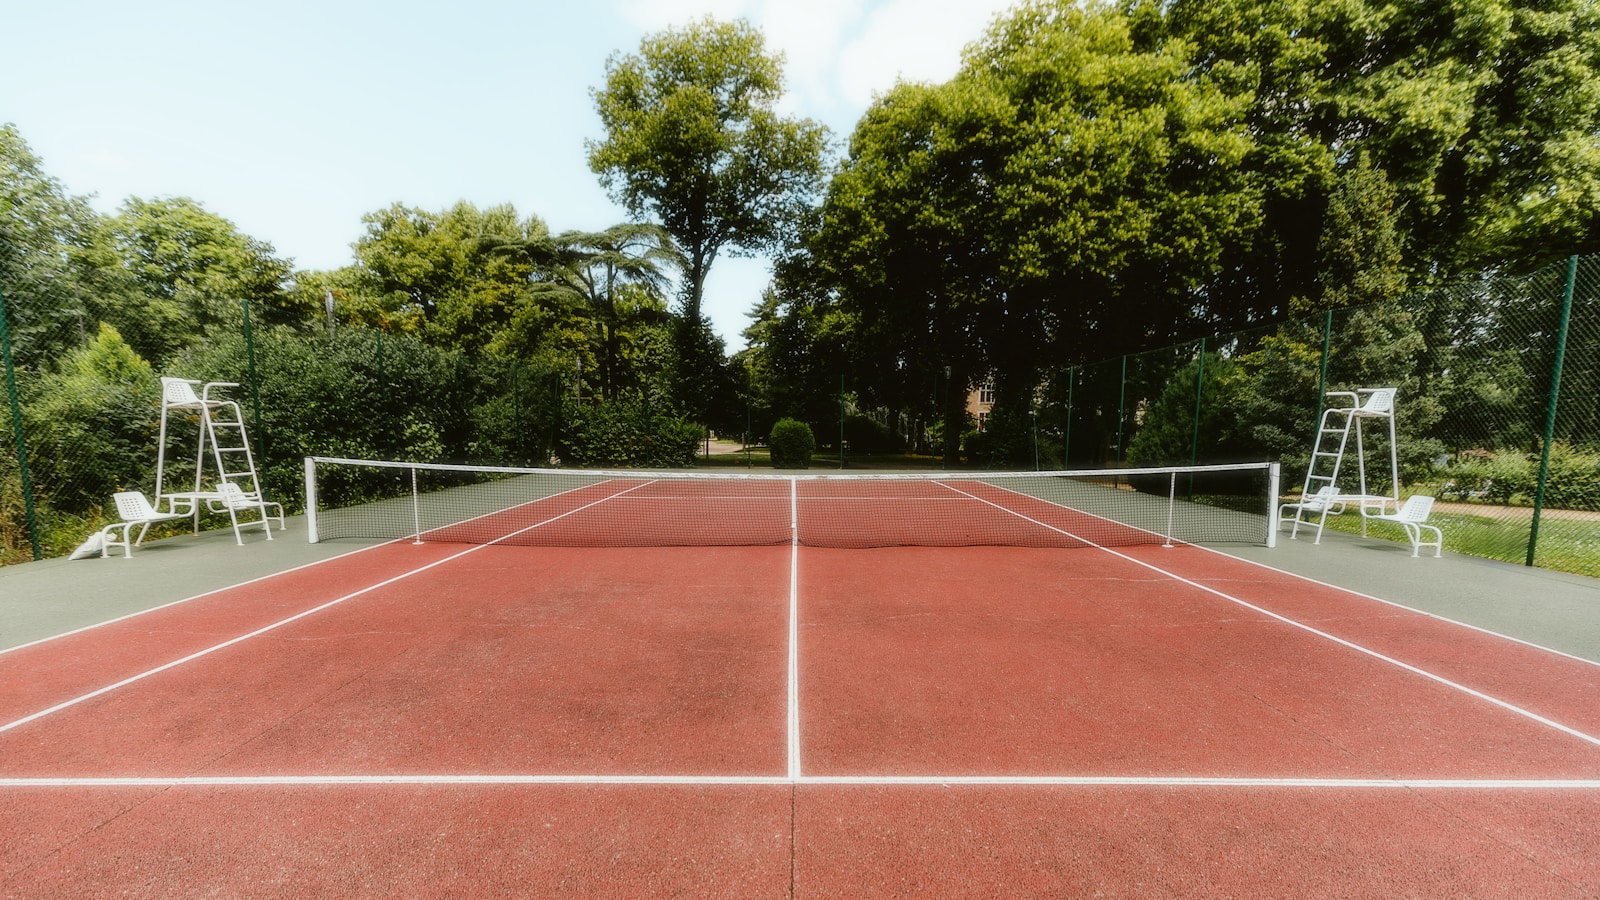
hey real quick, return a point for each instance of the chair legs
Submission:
(1414, 534)
(108, 540)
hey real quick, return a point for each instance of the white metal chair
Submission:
(1326, 498)
(134, 510)
(1413, 518)
(232, 497)
(1368, 403)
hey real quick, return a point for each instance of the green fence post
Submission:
(841, 421)
(1322, 373)
(516, 403)
(22, 444)
(383, 387)
(1066, 437)
(255, 395)
(1122, 405)
(1550, 408)
(1033, 411)
(1199, 379)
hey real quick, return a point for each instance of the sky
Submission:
(292, 119)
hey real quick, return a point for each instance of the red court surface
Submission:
(450, 720)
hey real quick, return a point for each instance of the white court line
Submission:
(1397, 605)
(1580, 784)
(220, 590)
(296, 617)
(794, 630)
(1306, 578)
(1440, 679)
(247, 583)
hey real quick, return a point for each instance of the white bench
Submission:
(1413, 517)
(134, 510)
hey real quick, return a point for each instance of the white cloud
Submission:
(912, 40)
(840, 53)
(653, 15)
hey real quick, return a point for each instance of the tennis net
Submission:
(369, 499)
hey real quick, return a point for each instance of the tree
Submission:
(1480, 114)
(906, 238)
(444, 275)
(42, 278)
(617, 273)
(192, 266)
(1068, 192)
(694, 140)
(93, 421)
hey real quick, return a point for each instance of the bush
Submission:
(792, 444)
(1574, 481)
(865, 434)
(627, 433)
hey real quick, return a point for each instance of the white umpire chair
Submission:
(235, 486)
(1324, 491)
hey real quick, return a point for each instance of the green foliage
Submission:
(1439, 97)
(865, 434)
(1168, 435)
(92, 425)
(617, 274)
(42, 279)
(366, 395)
(188, 269)
(694, 139)
(1513, 478)
(1007, 438)
(627, 432)
(457, 277)
(796, 354)
(792, 444)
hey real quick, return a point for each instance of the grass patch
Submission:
(1565, 544)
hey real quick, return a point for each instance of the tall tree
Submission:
(1068, 192)
(194, 266)
(694, 140)
(1482, 116)
(618, 275)
(41, 228)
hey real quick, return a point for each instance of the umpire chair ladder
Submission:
(1346, 412)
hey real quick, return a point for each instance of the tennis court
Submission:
(639, 685)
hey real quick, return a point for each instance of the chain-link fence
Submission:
(84, 414)
(1498, 410)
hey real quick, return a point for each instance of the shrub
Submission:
(627, 432)
(865, 434)
(1574, 481)
(792, 444)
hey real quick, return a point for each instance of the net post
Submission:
(416, 512)
(1172, 505)
(1273, 487)
(311, 498)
